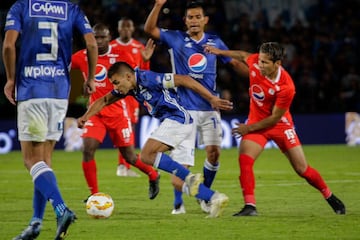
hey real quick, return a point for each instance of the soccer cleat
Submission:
(31, 232)
(121, 171)
(63, 224)
(336, 204)
(205, 206)
(193, 181)
(218, 202)
(247, 210)
(178, 209)
(154, 187)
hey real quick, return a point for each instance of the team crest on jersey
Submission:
(257, 92)
(100, 73)
(197, 62)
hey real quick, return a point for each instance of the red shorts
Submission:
(119, 130)
(283, 135)
(133, 108)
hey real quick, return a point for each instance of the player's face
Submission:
(126, 29)
(102, 39)
(122, 82)
(267, 66)
(195, 20)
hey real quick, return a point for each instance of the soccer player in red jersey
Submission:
(113, 119)
(135, 48)
(271, 93)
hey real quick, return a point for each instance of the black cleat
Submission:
(63, 224)
(336, 204)
(248, 210)
(154, 187)
(31, 232)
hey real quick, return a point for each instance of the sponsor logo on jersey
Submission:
(53, 9)
(43, 71)
(257, 92)
(197, 62)
(100, 73)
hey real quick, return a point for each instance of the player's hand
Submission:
(241, 130)
(9, 91)
(81, 122)
(222, 104)
(211, 49)
(89, 87)
(148, 51)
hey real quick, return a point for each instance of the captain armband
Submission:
(168, 81)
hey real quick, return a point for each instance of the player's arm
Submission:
(150, 26)
(9, 58)
(92, 56)
(188, 82)
(240, 67)
(96, 107)
(274, 118)
(236, 54)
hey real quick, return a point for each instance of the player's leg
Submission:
(134, 159)
(123, 167)
(312, 176)
(93, 135)
(153, 153)
(251, 147)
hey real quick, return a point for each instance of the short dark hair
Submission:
(195, 4)
(119, 67)
(274, 50)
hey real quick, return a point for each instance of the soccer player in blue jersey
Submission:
(188, 58)
(38, 83)
(156, 92)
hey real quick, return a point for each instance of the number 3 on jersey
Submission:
(51, 39)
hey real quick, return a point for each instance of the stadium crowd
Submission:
(321, 38)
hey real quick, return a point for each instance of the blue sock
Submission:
(166, 163)
(39, 205)
(204, 193)
(45, 182)
(178, 197)
(209, 173)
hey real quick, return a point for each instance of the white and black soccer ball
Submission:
(100, 205)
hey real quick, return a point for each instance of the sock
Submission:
(209, 173)
(122, 161)
(39, 205)
(45, 182)
(204, 193)
(178, 198)
(314, 178)
(247, 178)
(166, 163)
(145, 168)
(89, 169)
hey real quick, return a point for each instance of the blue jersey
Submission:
(46, 32)
(188, 58)
(159, 101)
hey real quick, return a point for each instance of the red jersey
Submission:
(102, 83)
(265, 93)
(133, 47)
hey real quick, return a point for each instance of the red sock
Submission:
(314, 178)
(145, 168)
(247, 178)
(89, 169)
(122, 161)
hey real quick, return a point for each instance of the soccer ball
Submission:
(100, 205)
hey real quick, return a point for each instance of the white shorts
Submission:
(178, 136)
(207, 125)
(41, 119)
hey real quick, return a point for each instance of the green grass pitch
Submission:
(288, 207)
